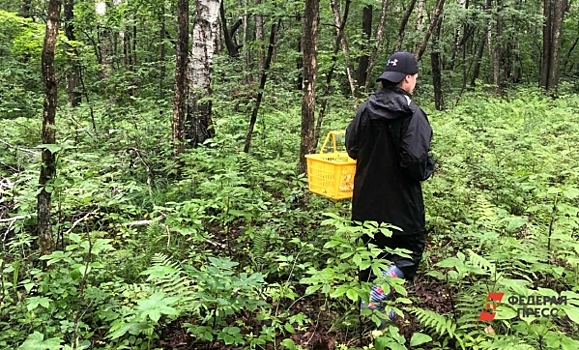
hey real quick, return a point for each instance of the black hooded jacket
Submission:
(390, 140)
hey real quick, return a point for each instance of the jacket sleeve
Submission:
(353, 133)
(415, 147)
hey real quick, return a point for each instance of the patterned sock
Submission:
(377, 294)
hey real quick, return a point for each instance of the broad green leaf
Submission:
(35, 341)
(288, 343)
(419, 339)
(572, 312)
(352, 294)
(571, 192)
(288, 327)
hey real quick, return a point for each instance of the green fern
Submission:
(169, 278)
(430, 319)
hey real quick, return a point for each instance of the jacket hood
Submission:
(389, 103)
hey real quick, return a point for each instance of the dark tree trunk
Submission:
(496, 51)
(344, 42)
(364, 59)
(480, 47)
(48, 167)
(377, 42)
(402, 28)
(299, 59)
(162, 53)
(554, 12)
(436, 66)
(232, 47)
(260, 37)
(437, 13)
(134, 48)
(261, 87)
(547, 46)
(180, 99)
(72, 78)
(309, 47)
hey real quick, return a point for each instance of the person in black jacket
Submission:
(390, 140)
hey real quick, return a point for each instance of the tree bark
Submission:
(232, 48)
(299, 59)
(48, 167)
(309, 47)
(559, 13)
(546, 54)
(72, 77)
(557, 25)
(364, 59)
(344, 42)
(162, 53)
(377, 42)
(402, 28)
(495, 50)
(419, 22)
(199, 123)
(180, 93)
(260, 37)
(246, 53)
(262, 82)
(436, 66)
(480, 47)
(437, 13)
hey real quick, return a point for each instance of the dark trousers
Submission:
(415, 243)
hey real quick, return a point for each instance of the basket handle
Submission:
(333, 135)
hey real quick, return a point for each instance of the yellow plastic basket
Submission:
(331, 174)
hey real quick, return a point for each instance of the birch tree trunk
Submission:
(48, 168)
(419, 22)
(180, 90)
(198, 123)
(309, 47)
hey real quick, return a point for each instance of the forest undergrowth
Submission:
(228, 250)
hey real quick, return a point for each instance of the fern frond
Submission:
(430, 319)
(480, 262)
(259, 245)
(169, 278)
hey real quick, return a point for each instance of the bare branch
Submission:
(20, 149)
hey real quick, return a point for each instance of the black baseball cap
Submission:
(399, 65)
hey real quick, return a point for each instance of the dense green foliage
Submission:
(236, 250)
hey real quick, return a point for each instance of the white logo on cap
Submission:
(393, 62)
